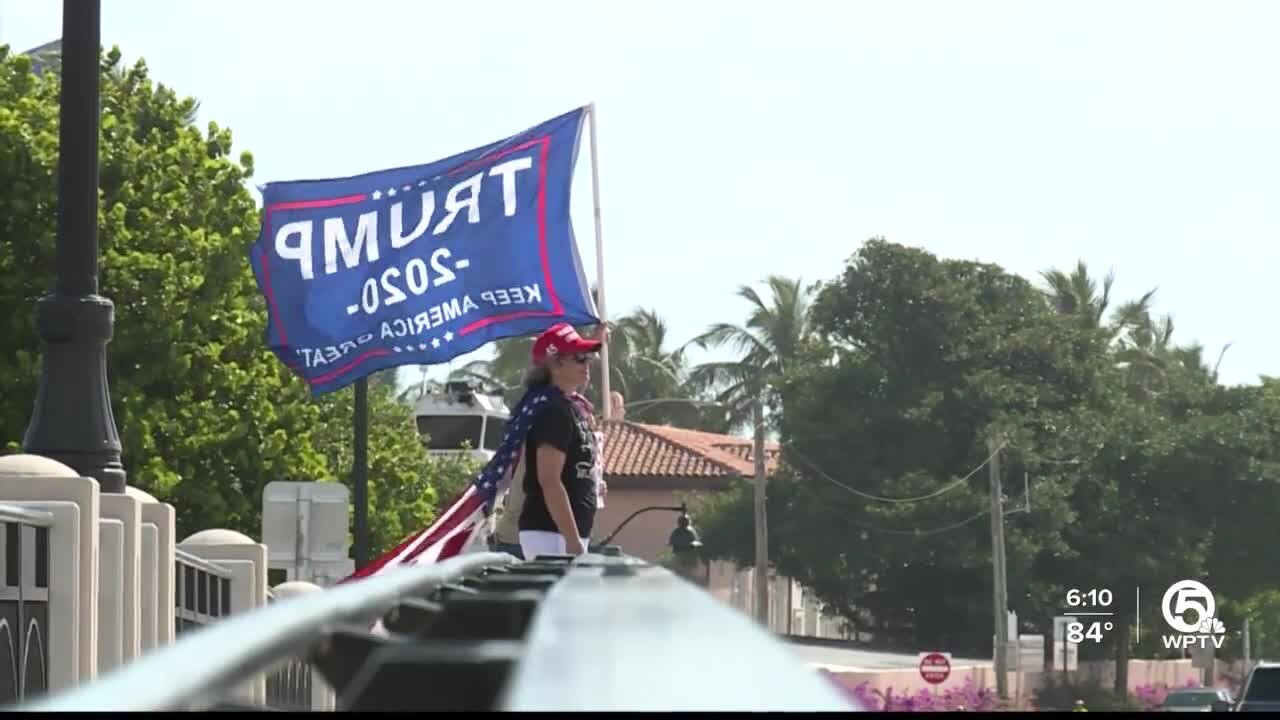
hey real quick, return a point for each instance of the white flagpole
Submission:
(604, 318)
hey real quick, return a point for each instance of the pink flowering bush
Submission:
(967, 697)
(1152, 696)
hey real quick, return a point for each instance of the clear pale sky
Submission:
(744, 138)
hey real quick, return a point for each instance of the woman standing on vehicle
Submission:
(561, 455)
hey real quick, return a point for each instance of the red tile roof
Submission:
(637, 450)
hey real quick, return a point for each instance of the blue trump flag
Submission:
(417, 265)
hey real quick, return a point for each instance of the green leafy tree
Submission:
(1135, 478)
(207, 415)
(406, 487)
(1233, 441)
(1262, 609)
(913, 363)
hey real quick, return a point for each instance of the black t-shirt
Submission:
(561, 427)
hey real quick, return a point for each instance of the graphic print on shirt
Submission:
(568, 431)
(586, 449)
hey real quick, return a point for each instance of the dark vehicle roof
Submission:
(1262, 689)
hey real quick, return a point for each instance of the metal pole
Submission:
(71, 420)
(360, 470)
(605, 396)
(684, 509)
(1065, 655)
(1001, 609)
(761, 524)
(1247, 644)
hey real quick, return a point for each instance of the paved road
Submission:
(866, 659)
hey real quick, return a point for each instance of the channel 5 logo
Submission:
(1189, 608)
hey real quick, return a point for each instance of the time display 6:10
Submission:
(1089, 598)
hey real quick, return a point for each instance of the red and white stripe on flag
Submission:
(445, 538)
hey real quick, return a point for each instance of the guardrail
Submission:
(24, 603)
(222, 656)
(619, 634)
(291, 686)
(202, 592)
(481, 632)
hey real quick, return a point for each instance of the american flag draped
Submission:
(463, 520)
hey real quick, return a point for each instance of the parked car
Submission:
(1200, 699)
(1261, 691)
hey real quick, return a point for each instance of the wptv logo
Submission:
(1189, 608)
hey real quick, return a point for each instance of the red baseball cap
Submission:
(561, 339)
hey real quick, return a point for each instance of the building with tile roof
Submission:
(647, 456)
(647, 465)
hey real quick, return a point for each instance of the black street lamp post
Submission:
(684, 540)
(72, 420)
(683, 509)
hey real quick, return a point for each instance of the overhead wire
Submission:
(918, 532)
(790, 450)
(949, 487)
(941, 491)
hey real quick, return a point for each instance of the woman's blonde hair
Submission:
(537, 375)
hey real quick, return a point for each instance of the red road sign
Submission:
(935, 668)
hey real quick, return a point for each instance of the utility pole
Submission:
(1000, 587)
(1247, 664)
(762, 528)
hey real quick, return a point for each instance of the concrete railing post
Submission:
(218, 544)
(158, 587)
(111, 594)
(246, 559)
(323, 697)
(73, 591)
(60, 635)
(128, 510)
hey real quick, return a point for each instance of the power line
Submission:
(1025, 508)
(945, 489)
(937, 493)
(922, 533)
(933, 531)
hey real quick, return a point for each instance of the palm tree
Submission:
(1077, 295)
(771, 338)
(1148, 354)
(641, 366)
(655, 380)
(1143, 344)
(502, 374)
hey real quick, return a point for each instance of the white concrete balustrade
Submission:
(26, 481)
(157, 570)
(119, 583)
(111, 608)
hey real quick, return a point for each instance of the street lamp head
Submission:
(684, 539)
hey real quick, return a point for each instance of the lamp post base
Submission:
(72, 420)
